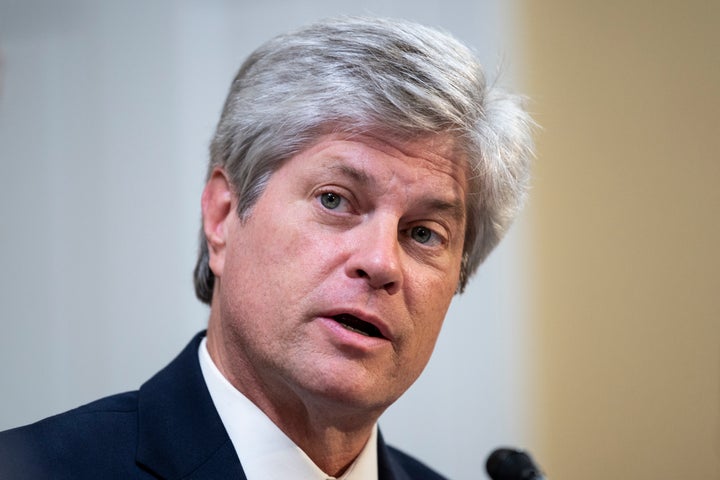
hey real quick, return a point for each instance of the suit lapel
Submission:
(180, 434)
(388, 467)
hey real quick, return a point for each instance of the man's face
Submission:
(335, 287)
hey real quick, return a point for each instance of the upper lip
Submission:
(365, 316)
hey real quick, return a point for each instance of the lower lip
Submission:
(348, 338)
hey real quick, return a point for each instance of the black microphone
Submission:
(511, 464)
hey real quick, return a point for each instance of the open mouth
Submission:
(354, 324)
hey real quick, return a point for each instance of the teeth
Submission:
(348, 327)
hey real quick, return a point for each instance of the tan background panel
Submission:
(626, 218)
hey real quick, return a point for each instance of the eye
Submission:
(330, 200)
(424, 235)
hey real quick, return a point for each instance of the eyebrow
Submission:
(357, 175)
(453, 208)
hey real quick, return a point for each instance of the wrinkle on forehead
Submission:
(360, 176)
(436, 152)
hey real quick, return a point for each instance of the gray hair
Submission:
(359, 75)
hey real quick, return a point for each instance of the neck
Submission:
(330, 433)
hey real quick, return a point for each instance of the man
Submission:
(359, 174)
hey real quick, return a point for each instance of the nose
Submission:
(376, 255)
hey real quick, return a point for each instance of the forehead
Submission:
(370, 158)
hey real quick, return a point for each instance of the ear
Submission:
(217, 209)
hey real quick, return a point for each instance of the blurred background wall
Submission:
(625, 237)
(106, 111)
(590, 337)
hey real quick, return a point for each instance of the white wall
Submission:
(106, 110)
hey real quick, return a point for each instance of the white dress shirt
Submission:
(265, 452)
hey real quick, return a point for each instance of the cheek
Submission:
(430, 331)
(430, 291)
(431, 305)
(277, 251)
(269, 238)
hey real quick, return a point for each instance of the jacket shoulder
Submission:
(85, 439)
(413, 467)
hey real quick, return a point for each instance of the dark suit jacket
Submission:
(168, 429)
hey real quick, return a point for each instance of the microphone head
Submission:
(511, 464)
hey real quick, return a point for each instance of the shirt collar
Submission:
(265, 452)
